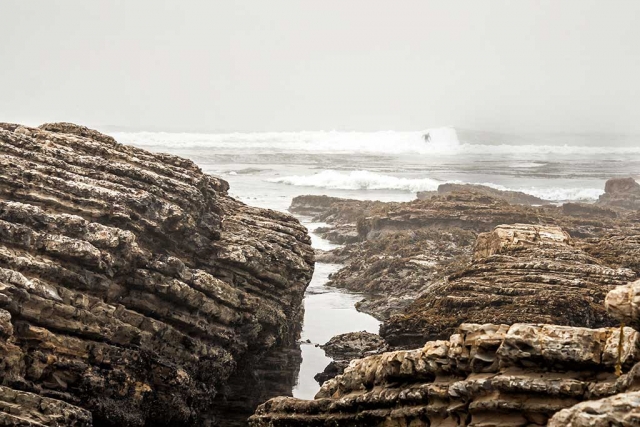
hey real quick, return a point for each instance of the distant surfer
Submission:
(427, 137)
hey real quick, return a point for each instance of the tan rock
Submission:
(622, 410)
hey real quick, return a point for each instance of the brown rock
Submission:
(585, 210)
(621, 193)
(519, 273)
(623, 303)
(19, 408)
(133, 286)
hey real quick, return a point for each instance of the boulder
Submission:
(621, 193)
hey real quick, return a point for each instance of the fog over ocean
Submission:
(268, 169)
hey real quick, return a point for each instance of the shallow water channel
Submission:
(328, 312)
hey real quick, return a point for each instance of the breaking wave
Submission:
(359, 180)
(367, 180)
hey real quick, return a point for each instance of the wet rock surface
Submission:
(133, 286)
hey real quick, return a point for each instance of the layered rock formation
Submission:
(552, 267)
(484, 375)
(19, 408)
(410, 256)
(393, 271)
(523, 375)
(133, 286)
(464, 208)
(519, 273)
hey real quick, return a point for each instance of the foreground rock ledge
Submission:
(484, 375)
(522, 375)
(133, 286)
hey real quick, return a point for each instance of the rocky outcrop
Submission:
(623, 303)
(513, 197)
(358, 220)
(406, 251)
(483, 375)
(19, 408)
(353, 221)
(353, 345)
(621, 193)
(133, 286)
(488, 375)
(344, 348)
(587, 210)
(393, 271)
(519, 273)
(621, 409)
(620, 249)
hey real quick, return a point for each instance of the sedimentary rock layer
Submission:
(132, 285)
(414, 260)
(520, 273)
(483, 375)
(394, 270)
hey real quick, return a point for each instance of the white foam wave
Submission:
(367, 180)
(565, 194)
(359, 180)
(442, 141)
(555, 193)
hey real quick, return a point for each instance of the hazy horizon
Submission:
(526, 67)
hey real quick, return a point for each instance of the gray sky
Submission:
(524, 66)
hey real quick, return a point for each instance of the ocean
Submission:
(269, 169)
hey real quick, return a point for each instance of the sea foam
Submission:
(359, 180)
(367, 180)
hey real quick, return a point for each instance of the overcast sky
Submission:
(523, 66)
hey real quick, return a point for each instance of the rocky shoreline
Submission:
(134, 291)
(403, 255)
(466, 262)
